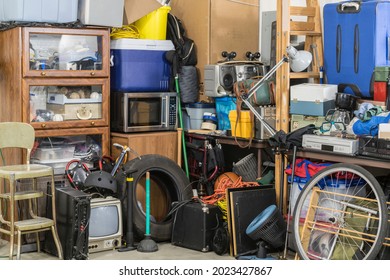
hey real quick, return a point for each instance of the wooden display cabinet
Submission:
(56, 79)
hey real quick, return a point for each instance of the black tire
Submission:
(169, 177)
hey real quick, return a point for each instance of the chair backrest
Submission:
(17, 135)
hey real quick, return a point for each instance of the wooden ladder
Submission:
(298, 21)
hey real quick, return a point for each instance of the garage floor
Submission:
(166, 251)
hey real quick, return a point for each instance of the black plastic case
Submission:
(194, 226)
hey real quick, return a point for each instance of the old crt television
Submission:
(105, 224)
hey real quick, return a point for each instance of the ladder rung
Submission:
(307, 33)
(302, 26)
(302, 11)
(302, 75)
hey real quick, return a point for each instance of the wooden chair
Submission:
(22, 135)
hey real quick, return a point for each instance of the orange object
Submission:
(224, 183)
(226, 177)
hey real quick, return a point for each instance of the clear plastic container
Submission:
(55, 153)
(54, 11)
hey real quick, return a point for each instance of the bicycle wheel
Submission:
(340, 214)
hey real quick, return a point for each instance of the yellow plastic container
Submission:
(244, 128)
(154, 25)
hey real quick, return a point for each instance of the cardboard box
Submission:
(135, 9)
(219, 25)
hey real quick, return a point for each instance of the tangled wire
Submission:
(219, 196)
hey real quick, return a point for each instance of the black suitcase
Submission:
(194, 226)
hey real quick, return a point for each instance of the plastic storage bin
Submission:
(101, 12)
(195, 113)
(140, 65)
(244, 127)
(55, 153)
(154, 25)
(55, 11)
(223, 106)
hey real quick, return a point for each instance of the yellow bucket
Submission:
(154, 25)
(244, 126)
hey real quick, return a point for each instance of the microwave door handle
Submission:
(126, 113)
(164, 112)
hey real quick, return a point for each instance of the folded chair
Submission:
(22, 136)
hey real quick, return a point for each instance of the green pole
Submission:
(181, 125)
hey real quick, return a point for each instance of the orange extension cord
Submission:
(220, 190)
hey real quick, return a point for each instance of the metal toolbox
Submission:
(269, 115)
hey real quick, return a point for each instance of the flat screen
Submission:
(104, 221)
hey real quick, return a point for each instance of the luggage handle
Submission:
(356, 49)
(388, 48)
(354, 88)
(338, 49)
(349, 7)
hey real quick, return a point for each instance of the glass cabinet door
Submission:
(57, 149)
(66, 52)
(65, 104)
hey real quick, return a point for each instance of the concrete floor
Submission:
(166, 251)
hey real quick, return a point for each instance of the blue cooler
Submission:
(140, 65)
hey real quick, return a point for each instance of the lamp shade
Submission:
(299, 60)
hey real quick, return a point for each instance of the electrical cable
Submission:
(126, 31)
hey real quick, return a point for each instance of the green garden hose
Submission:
(181, 125)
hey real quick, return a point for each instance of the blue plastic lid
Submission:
(210, 117)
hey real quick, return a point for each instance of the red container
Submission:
(380, 91)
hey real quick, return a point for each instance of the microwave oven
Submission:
(143, 111)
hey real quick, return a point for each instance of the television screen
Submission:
(104, 221)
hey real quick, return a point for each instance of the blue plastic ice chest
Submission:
(140, 65)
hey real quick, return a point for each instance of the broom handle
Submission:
(147, 202)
